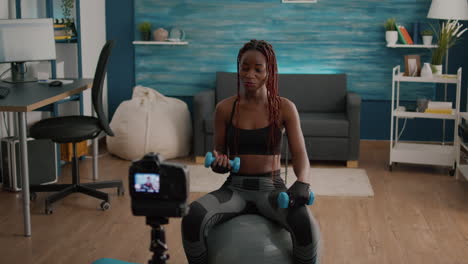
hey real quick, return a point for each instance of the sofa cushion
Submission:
(324, 124)
(312, 124)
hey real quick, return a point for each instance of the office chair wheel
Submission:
(120, 191)
(105, 205)
(49, 210)
(33, 196)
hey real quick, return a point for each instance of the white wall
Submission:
(4, 9)
(93, 38)
(33, 8)
(4, 14)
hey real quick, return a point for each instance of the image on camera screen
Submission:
(146, 182)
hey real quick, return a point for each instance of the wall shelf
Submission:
(409, 114)
(444, 78)
(137, 42)
(66, 41)
(412, 46)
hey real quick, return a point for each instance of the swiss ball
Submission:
(249, 239)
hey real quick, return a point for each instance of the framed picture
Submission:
(412, 65)
(298, 1)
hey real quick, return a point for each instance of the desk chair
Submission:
(73, 129)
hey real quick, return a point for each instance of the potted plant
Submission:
(446, 36)
(67, 7)
(427, 36)
(391, 33)
(145, 30)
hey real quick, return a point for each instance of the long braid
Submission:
(272, 90)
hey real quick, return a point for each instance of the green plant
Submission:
(67, 6)
(427, 32)
(447, 36)
(390, 24)
(144, 27)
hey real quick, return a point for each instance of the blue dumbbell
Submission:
(235, 164)
(285, 202)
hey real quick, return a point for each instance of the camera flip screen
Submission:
(146, 182)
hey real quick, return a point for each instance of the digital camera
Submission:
(157, 188)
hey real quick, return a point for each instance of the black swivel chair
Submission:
(73, 129)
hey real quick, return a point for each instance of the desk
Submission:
(26, 97)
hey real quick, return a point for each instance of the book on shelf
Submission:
(439, 111)
(439, 105)
(404, 35)
(401, 38)
(62, 37)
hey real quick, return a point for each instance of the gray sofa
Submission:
(329, 114)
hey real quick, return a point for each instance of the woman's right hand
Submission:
(221, 163)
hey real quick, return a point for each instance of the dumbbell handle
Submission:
(235, 163)
(284, 200)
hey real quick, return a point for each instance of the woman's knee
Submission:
(192, 222)
(303, 226)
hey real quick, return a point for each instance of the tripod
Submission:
(158, 239)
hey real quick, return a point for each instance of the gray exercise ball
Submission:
(249, 239)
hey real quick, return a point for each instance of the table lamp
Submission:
(448, 9)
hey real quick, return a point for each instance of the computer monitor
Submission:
(24, 40)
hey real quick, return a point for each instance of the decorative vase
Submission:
(427, 40)
(160, 34)
(391, 37)
(421, 104)
(176, 35)
(426, 70)
(436, 69)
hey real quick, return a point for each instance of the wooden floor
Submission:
(419, 214)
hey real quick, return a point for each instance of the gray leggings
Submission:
(242, 194)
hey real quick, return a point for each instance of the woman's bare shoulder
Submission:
(288, 110)
(225, 105)
(286, 104)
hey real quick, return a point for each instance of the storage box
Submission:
(42, 159)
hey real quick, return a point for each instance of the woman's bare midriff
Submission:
(258, 164)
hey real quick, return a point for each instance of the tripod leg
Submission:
(158, 246)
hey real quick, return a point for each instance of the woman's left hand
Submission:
(300, 191)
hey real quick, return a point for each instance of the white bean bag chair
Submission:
(150, 122)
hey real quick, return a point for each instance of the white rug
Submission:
(323, 181)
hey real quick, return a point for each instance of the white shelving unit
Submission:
(462, 167)
(138, 42)
(412, 46)
(422, 153)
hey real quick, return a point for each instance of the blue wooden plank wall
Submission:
(331, 36)
(120, 70)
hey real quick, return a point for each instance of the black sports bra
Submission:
(251, 141)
